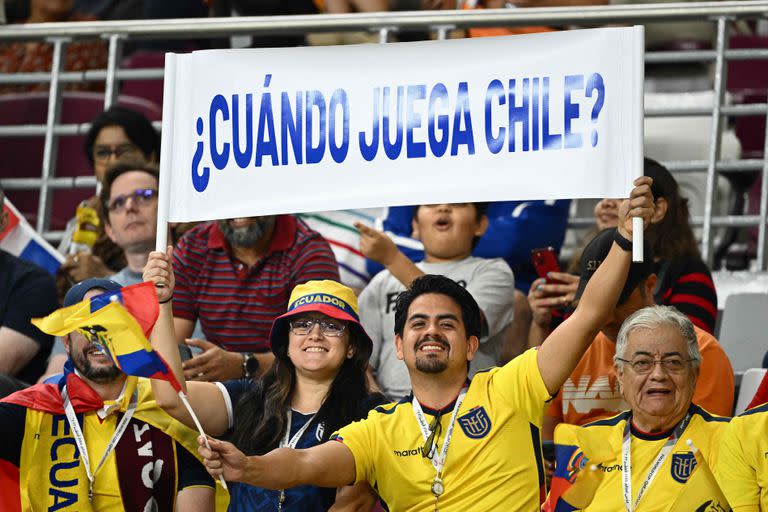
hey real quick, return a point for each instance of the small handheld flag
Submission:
(120, 335)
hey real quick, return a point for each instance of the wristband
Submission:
(626, 245)
(166, 301)
(250, 365)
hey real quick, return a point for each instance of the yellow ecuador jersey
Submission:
(494, 457)
(742, 468)
(704, 430)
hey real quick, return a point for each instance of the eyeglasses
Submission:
(102, 153)
(430, 445)
(303, 326)
(644, 366)
(140, 196)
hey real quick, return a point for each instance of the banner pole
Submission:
(199, 429)
(637, 222)
(166, 151)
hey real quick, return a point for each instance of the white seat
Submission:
(744, 329)
(749, 384)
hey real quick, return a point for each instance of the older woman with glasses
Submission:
(316, 385)
(657, 363)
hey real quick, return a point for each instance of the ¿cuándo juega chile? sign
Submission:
(266, 131)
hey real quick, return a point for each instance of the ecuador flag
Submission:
(574, 482)
(117, 331)
(140, 300)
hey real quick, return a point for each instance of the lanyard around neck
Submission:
(291, 442)
(438, 459)
(74, 425)
(626, 475)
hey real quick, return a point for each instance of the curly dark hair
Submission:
(138, 128)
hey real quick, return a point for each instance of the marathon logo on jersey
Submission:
(476, 423)
(682, 466)
(408, 453)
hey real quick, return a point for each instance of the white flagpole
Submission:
(166, 151)
(199, 429)
(166, 161)
(637, 222)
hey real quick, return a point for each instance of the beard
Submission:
(249, 235)
(431, 363)
(82, 364)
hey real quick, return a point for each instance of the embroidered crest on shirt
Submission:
(682, 466)
(476, 423)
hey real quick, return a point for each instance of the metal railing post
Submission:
(384, 34)
(443, 30)
(762, 243)
(112, 88)
(51, 146)
(721, 72)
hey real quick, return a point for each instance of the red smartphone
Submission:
(545, 261)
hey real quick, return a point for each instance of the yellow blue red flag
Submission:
(116, 330)
(574, 483)
(140, 300)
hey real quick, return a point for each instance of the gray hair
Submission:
(652, 317)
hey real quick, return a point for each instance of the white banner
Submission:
(543, 116)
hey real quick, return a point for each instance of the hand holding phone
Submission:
(545, 261)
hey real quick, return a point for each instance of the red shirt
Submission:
(236, 303)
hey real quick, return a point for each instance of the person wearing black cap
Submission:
(592, 391)
(455, 444)
(316, 385)
(100, 440)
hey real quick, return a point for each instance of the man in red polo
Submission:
(235, 276)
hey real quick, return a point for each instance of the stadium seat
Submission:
(749, 384)
(32, 108)
(151, 90)
(744, 329)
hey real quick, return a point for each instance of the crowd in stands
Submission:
(434, 386)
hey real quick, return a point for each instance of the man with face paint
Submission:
(235, 276)
(95, 438)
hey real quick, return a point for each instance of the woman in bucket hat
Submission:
(316, 385)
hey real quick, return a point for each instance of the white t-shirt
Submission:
(491, 283)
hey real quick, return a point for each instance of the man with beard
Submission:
(235, 276)
(95, 439)
(455, 444)
(449, 232)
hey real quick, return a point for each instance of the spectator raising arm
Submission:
(204, 397)
(562, 350)
(377, 246)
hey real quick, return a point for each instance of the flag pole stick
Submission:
(183, 397)
(166, 152)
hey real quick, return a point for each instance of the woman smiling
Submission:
(316, 385)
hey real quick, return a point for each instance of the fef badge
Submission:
(476, 423)
(682, 466)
